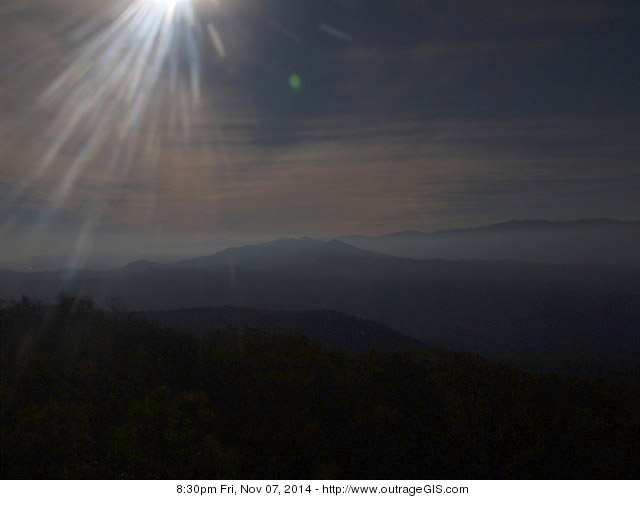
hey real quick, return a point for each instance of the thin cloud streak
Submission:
(412, 128)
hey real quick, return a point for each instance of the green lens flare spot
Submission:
(295, 82)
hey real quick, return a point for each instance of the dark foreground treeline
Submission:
(86, 394)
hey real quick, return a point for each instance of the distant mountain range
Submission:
(603, 241)
(544, 316)
(96, 260)
(100, 258)
(596, 241)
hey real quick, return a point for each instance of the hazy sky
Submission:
(254, 118)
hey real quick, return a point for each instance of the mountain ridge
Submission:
(537, 313)
(603, 240)
(275, 252)
(331, 328)
(509, 224)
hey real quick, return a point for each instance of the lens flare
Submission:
(131, 85)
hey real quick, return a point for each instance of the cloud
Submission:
(432, 116)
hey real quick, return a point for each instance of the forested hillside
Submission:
(89, 394)
(331, 328)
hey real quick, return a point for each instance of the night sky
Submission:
(152, 120)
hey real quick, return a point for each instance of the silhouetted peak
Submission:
(140, 265)
(282, 252)
(406, 234)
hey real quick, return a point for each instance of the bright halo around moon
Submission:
(115, 89)
(169, 4)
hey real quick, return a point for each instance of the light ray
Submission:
(109, 97)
